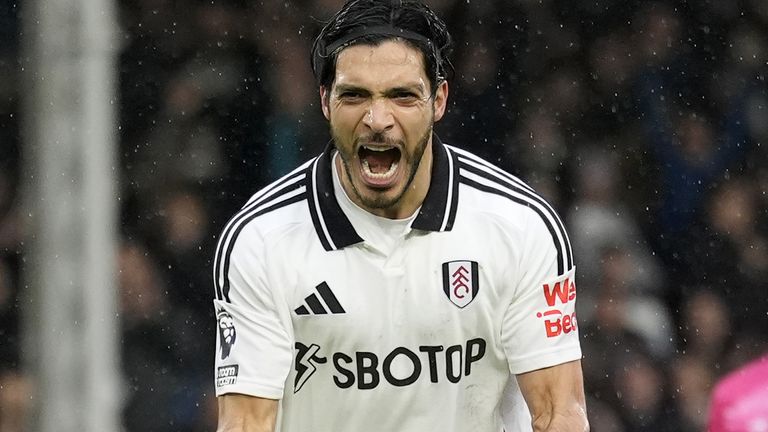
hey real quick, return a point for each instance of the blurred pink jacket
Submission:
(740, 400)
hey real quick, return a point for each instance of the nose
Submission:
(379, 117)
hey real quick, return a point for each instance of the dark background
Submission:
(644, 123)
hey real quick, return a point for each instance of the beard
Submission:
(411, 160)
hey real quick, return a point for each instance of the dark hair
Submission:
(374, 21)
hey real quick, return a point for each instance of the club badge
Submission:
(460, 282)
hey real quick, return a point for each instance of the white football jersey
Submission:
(357, 323)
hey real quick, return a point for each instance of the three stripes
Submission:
(316, 306)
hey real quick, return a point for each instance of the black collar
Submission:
(335, 231)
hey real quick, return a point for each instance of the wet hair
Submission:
(371, 22)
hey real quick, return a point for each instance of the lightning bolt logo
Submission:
(306, 357)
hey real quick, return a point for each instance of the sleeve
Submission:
(254, 335)
(539, 327)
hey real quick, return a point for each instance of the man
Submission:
(395, 283)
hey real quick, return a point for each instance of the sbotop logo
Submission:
(365, 370)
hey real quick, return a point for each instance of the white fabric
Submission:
(402, 356)
(379, 232)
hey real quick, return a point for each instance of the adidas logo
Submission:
(316, 307)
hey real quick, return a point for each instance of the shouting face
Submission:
(381, 113)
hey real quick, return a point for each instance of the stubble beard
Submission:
(379, 200)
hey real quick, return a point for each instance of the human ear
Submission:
(440, 100)
(325, 96)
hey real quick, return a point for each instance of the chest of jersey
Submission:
(429, 312)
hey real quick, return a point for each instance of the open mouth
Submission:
(379, 163)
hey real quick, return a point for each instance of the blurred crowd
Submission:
(644, 123)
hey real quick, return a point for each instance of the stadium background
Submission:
(645, 123)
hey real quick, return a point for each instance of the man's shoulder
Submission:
(491, 193)
(495, 188)
(269, 214)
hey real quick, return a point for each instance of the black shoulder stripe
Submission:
(558, 246)
(454, 185)
(314, 205)
(274, 191)
(467, 156)
(268, 191)
(258, 212)
(510, 182)
(435, 213)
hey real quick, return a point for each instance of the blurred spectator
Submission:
(731, 253)
(692, 380)
(599, 219)
(690, 154)
(619, 308)
(477, 104)
(145, 340)
(693, 141)
(15, 401)
(184, 254)
(706, 327)
(603, 337)
(154, 341)
(603, 417)
(543, 154)
(746, 346)
(643, 396)
(185, 238)
(296, 130)
(9, 318)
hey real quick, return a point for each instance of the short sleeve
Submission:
(539, 327)
(254, 336)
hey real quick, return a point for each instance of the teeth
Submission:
(384, 175)
(377, 149)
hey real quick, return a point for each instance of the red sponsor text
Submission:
(564, 290)
(558, 294)
(561, 324)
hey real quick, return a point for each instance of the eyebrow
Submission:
(408, 88)
(341, 88)
(416, 88)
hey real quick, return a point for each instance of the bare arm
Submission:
(555, 396)
(241, 413)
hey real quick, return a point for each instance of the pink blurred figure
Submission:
(740, 400)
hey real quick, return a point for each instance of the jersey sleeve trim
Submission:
(250, 388)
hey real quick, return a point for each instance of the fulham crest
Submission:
(460, 282)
